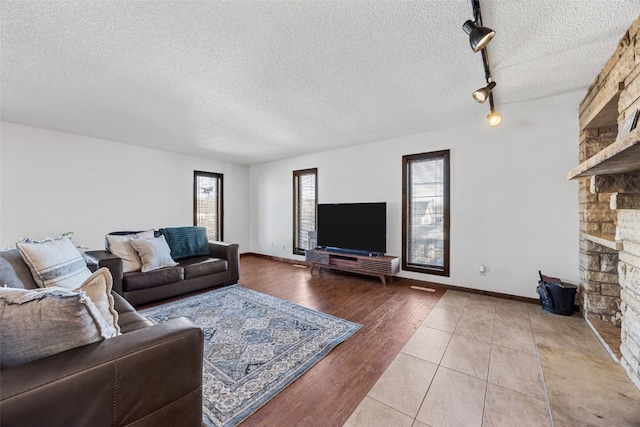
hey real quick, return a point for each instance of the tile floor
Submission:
(473, 362)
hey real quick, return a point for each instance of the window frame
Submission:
(296, 175)
(220, 188)
(444, 270)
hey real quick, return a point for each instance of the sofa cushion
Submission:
(55, 263)
(40, 322)
(203, 266)
(154, 253)
(120, 246)
(138, 280)
(186, 241)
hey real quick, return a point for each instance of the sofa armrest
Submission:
(151, 376)
(99, 259)
(230, 252)
(128, 318)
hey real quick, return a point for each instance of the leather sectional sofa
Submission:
(220, 267)
(151, 375)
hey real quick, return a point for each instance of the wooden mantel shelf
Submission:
(603, 239)
(623, 156)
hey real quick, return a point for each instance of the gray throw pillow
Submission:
(40, 322)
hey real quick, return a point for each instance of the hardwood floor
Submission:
(328, 393)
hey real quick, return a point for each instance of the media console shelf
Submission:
(380, 266)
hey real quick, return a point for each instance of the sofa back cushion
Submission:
(14, 272)
(186, 242)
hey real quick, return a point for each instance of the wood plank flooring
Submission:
(329, 392)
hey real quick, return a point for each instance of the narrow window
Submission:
(305, 206)
(207, 203)
(425, 213)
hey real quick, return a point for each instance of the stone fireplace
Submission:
(609, 198)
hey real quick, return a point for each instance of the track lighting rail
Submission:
(479, 38)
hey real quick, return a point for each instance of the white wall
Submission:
(53, 182)
(511, 207)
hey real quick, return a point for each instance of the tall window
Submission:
(425, 213)
(207, 203)
(305, 206)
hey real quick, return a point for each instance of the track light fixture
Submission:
(494, 118)
(482, 95)
(479, 37)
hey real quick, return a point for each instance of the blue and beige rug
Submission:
(254, 346)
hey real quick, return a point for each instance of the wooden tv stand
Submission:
(382, 266)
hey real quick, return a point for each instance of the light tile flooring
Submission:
(473, 362)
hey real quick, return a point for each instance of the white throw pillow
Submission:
(55, 263)
(121, 247)
(154, 253)
(40, 322)
(98, 288)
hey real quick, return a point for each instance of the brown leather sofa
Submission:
(151, 375)
(220, 267)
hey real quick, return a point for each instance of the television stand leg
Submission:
(313, 266)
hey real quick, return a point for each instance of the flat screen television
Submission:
(353, 227)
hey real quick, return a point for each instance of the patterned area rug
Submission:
(254, 346)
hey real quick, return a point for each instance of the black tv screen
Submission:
(356, 227)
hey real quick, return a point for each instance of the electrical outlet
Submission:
(483, 270)
(284, 247)
(273, 245)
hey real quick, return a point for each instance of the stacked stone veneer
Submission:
(599, 294)
(610, 204)
(629, 270)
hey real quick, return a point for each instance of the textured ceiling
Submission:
(254, 81)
